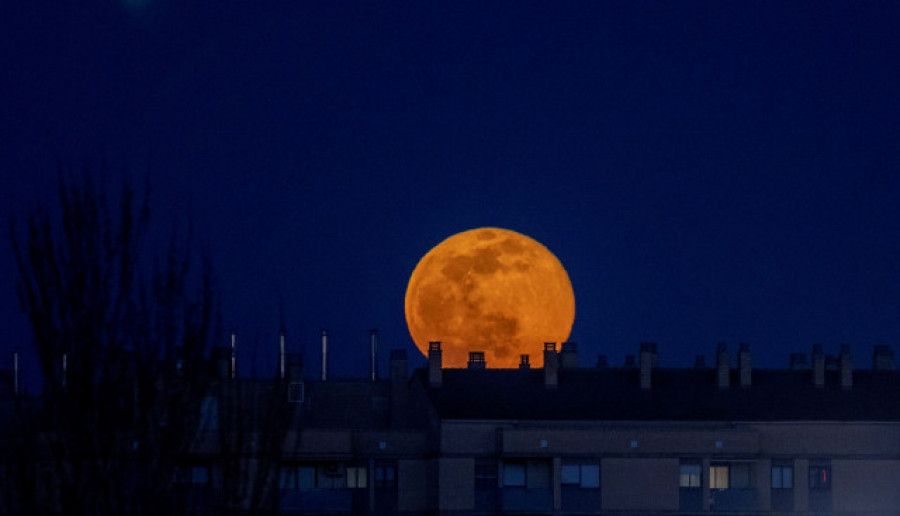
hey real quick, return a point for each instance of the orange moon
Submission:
(491, 290)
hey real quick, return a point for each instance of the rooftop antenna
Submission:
(324, 354)
(373, 360)
(281, 355)
(64, 367)
(16, 370)
(233, 347)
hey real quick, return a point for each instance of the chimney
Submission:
(568, 356)
(798, 362)
(602, 362)
(435, 364)
(700, 362)
(551, 366)
(630, 362)
(723, 366)
(324, 354)
(648, 349)
(399, 389)
(745, 365)
(476, 360)
(281, 355)
(373, 353)
(524, 362)
(399, 366)
(846, 361)
(233, 354)
(818, 362)
(16, 370)
(882, 358)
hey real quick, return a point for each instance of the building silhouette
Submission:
(817, 437)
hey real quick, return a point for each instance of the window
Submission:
(731, 475)
(689, 476)
(782, 477)
(590, 475)
(570, 474)
(718, 477)
(295, 392)
(820, 478)
(739, 475)
(192, 475)
(306, 477)
(310, 477)
(199, 475)
(537, 474)
(385, 476)
(486, 473)
(287, 478)
(209, 413)
(580, 475)
(357, 477)
(514, 474)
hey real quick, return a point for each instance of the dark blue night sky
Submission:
(722, 171)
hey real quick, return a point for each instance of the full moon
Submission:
(491, 290)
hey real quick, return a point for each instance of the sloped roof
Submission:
(676, 395)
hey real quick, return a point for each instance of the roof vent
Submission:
(476, 360)
(435, 364)
(551, 366)
(569, 355)
(524, 362)
(723, 366)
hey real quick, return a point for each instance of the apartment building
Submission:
(820, 436)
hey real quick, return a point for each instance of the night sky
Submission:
(722, 171)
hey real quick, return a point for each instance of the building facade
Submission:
(820, 437)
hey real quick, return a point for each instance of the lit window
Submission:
(689, 475)
(820, 478)
(514, 474)
(718, 477)
(782, 477)
(356, 477)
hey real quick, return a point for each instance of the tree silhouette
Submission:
(120, 340)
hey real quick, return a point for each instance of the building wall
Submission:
(413, 485)
(639, 484)
(866, 485)
(456, 478)
(829, 438)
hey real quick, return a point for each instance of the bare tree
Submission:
(108, 324)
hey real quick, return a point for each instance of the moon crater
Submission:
(491, 290)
